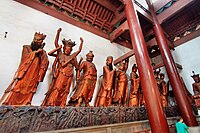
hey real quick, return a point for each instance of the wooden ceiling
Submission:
(107, 18)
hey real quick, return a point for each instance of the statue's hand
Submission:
(81, 39)
(39, 50)
(59, 30)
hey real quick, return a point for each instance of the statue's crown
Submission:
(90, 54)
(194, 75)
(68, 43)
(40, 35)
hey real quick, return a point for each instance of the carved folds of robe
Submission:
(30, 72)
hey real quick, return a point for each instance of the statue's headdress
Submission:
(68, 43)
(134, 66)
(194, 75)
(40, 35)
(90, 54)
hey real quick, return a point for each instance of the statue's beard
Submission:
(35, 46)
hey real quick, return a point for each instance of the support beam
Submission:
(156, 115)
(52, 12)
(125, 56)
(176, 7)
(118, 18)
(172, 72)
(124, 43)
(162, 65)
(120, 30)
(107, 5)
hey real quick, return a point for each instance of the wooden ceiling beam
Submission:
(124, 43)
(117, 32)
(118, 18)
(125, 56)
(187, 38)
(162, 64)
(107, 5)
(176, 7)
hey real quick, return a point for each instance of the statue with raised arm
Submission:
(62, 71)
(135, 87)
(120, 93)
(86, 83)
(104, 97)
(163, 89)
(31, 71)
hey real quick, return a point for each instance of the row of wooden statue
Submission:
(113, 89)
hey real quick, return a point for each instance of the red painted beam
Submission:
(156, 116)
(124, 43)
(118, 18)
(52, 12)
(162, 64)
(117, 32)
(125, 56)
(175, 8)
(107, 5)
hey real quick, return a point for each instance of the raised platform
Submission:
(32, 118)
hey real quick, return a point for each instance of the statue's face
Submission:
(67, 50)
(196, 79)
(121, 67)
(109, 61)
(88, 58)
(38, 40)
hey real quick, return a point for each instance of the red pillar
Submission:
(154, 108)
(175, 80)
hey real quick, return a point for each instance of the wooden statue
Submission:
(120, 93)
(62, 71)
(135, 87)
(196, 88)
(86, 83)
(163, 89)
(31, 71)
(104, 97)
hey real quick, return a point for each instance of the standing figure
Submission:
(181, 127)
(135, 87)
(196, 89)
(31, 71)
(104, 97)
(120, 93)
(163, 89)
(196, 84)
(86, 83)
(62, 71)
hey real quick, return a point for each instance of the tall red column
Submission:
(154, 108)
(175, 80)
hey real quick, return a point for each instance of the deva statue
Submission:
(120, 93)
(62, 71)
(104, 97)
(86, 83)
(31, 71)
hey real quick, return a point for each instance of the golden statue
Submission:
(135, 87)
(163, 89)
(120, 93)
(104, 97)
(86, 83)
(31, 71)
(196, 88)
(62, 71)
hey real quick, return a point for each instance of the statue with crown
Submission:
(196, 88)
(31, 71)
(62, 71)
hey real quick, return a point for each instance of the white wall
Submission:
(21, 22)
(188, 55)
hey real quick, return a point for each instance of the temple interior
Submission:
(154, 44)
